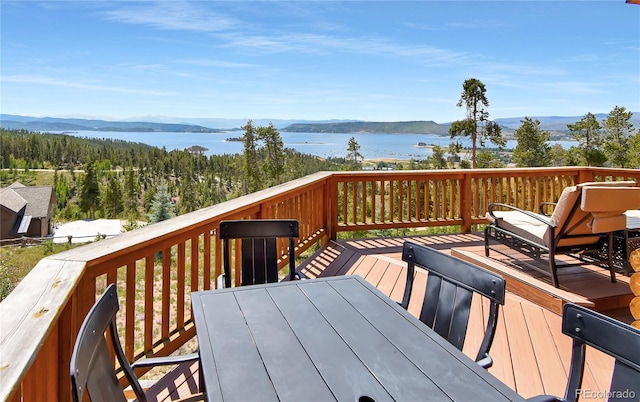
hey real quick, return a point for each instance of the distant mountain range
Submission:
(147, 124)
(557, 125)
(61, 124)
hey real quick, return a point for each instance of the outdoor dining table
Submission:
(335, 338)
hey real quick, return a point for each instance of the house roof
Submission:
(11, 200)
(37, 199)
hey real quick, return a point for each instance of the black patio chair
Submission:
(451, 283)
(259, 240)
(610, 336)
(92, 368)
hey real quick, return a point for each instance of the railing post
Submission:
(465, 201)
(68, 327)
(585, 175)
(331, 207)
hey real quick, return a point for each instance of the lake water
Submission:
(372, 146)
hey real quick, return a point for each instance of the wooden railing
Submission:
(156, 267)
(406, 199)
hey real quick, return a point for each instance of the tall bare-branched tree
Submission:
(476, 124)
(354, 157)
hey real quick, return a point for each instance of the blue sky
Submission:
(315, 60)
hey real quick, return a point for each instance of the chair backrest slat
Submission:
(446, 309)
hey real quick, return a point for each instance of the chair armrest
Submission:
(220, 281)
(165, 360)
(486, 362)
(542, 206)
(542, 218)
(300, 275)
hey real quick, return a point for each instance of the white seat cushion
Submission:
(522, 224)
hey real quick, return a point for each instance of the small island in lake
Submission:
(423, 145)
(196, 150)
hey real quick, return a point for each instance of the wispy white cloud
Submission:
(174, 15)
(573, 87)
(237, 34)
(328, 44)
(39, 80)
(217, 63)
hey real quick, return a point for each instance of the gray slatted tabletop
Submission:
(328, 339)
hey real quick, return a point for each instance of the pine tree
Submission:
(250, 158)
(274, 147)
(131, 192)
(112, 201)
(617, 130)
(437, 157)
(587, 132)
(533, 148)
(354, 157)
(89, 197)
(476, 125)
(161, 206)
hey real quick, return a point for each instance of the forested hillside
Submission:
(119, 179)
(400, 127)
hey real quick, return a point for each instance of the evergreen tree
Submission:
(131, 192)
(634, 151)
(476, 124)
(89, 196)
(250, 158)
(532, 149)
(557, 156)
(618, 130)
(161, 206)
(438, 161)
(454, 149)
(275, 156)
(354, 157)
(188, 195)
(587, 133)
(112, 201)
(488, 159)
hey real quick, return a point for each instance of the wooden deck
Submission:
(531, 355)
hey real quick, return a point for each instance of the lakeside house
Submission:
(26, 211)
